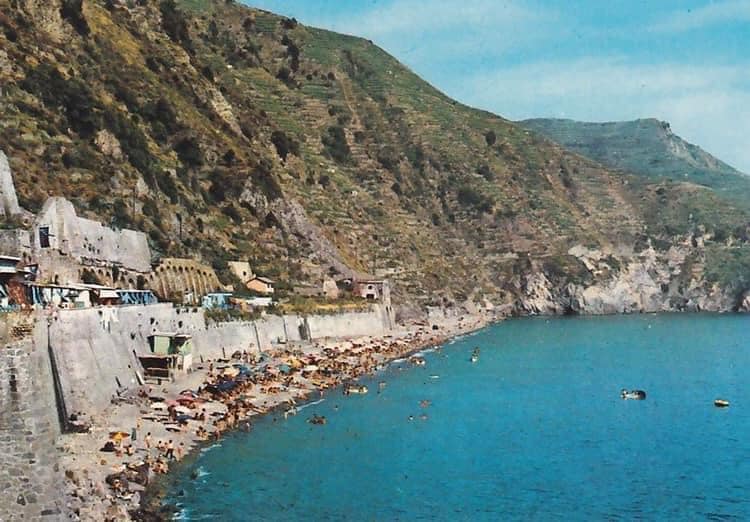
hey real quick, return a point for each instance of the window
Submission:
(44, 237)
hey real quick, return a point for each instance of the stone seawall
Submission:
(29, 474)
(96, 349)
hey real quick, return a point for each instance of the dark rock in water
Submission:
(194, 475)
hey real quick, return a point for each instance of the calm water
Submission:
(534, 430)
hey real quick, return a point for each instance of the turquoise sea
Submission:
(535, 430)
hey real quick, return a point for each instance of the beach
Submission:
(111, 468)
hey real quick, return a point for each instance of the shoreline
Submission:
(124, 485)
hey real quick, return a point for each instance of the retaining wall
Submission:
(29, 474)
(96, 349)
(350, 324)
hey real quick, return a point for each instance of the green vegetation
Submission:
(304, 150)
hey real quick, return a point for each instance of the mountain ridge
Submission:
(315, 154)
(646, 147)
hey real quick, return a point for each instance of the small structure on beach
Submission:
(171, 353)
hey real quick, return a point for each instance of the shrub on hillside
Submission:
(174, 23)
(264, 179)
(485, 172)
(74, 96)
(336, 146)
(470, 197)
(188, 149)
(284, 144)
(388, 157)
(72, 12)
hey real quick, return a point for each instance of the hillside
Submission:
(309, 152)
(647, 148)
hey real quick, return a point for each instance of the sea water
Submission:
(535, 429)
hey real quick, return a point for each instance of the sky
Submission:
(686, 62)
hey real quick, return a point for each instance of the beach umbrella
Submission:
(294, 362)
(117, 436)
(284, 368)
(231, 372)
(242, 369)
(226, 385)
(159, 406)
(182, 399)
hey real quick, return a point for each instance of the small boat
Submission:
(721, 403)
(475, 355)
(361, 390)
(636, 395)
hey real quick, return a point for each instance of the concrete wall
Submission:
(350, 324)
(96, 348)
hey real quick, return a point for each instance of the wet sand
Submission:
(121, 486)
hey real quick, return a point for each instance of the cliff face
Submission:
(314, 155)
(648, 281)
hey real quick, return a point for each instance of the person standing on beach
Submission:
(147, 440)
(170, 450)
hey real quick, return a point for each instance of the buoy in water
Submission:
(721, 403)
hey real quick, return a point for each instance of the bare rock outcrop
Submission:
(8, 198)
(648, 281)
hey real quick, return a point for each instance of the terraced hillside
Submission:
(310, 153)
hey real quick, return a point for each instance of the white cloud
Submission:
(410, 16)
(707, 105)
(427, 33)
(711, 14)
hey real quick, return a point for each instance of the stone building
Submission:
(262, 285)
(374, 290)
(242, 270)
